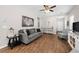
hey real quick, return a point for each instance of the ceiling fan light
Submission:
(47, 11)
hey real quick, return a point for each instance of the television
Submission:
(76, 27)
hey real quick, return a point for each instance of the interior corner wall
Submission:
(11, 15)
(75, 12)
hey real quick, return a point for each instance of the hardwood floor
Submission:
(45, 44)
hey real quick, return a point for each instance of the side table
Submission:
(13, 41)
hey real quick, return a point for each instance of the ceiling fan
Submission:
(48, 8)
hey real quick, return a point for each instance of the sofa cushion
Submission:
(32, 31)
(32, 35)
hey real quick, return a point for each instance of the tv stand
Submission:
(73, 40)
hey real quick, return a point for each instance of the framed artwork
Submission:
(38, 22)
(67, 23)
(27, 21)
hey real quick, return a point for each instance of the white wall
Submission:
(75, 12)
(48, 22)
(12, 16)
(57, 22)
(60, 24)
(73, 16)
(70, 19)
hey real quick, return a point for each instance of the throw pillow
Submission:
(38, 30)
(28, 32)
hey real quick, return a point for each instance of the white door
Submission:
(60, 25)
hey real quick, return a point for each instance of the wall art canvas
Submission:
(27, 21)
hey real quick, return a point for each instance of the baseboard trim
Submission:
(3, 46)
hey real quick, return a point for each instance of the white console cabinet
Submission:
(73, 40)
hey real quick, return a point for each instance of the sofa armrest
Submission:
(24, 36)
(21, 33)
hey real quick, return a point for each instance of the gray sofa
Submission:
(28, 35)
(63, 34)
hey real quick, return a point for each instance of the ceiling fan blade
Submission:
(51, 10)
(46, 7)
(42, 10)
(53, 6)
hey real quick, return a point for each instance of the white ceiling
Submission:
(58, 10)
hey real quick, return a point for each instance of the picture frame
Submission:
(27, 21)
(67, 23)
